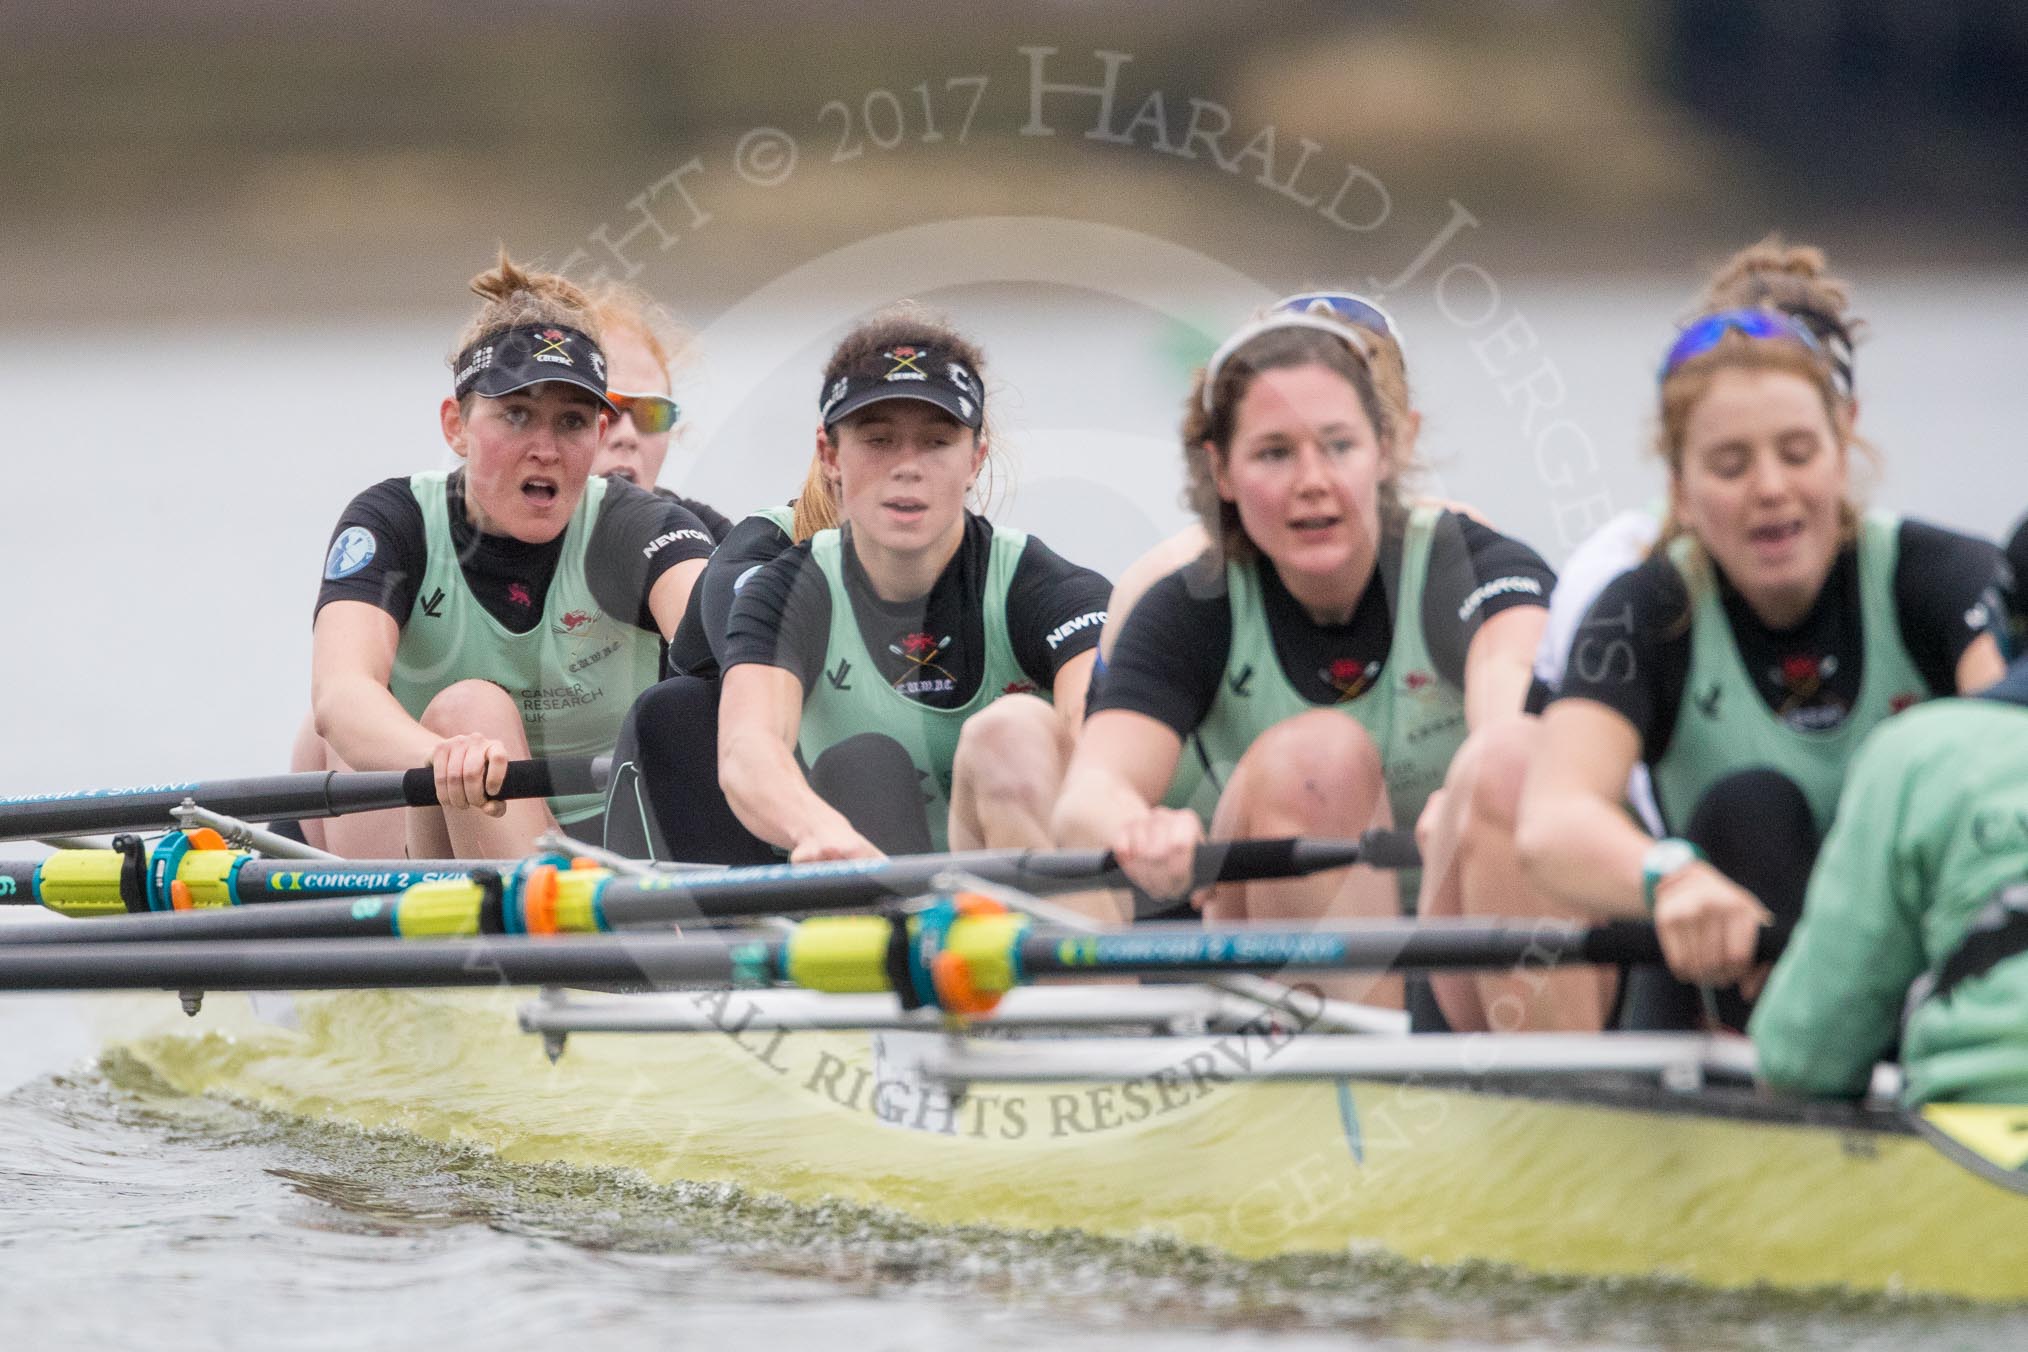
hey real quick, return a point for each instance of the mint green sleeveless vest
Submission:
(852, 697)
(1723, 725)
(573, 676)
(1415, 717)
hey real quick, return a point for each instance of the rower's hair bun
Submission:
(623, 309)
(1795, 278)
(515, 295)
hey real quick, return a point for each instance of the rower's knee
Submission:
(1494, 765)
(1426, 838)
(473, 706)
(1319, 772)
(1011, 754)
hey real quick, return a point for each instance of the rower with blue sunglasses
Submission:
(1469, 860)
(1314, 669)
(1774, 625)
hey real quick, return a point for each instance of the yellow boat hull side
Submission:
(1253, 1168)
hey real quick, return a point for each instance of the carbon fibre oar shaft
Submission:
(1396, 946)
(643, 961)
(912, 956)
(315, 794)
(90, 882)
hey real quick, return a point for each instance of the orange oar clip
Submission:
(951, 973)
(538, 900)
(203, 838)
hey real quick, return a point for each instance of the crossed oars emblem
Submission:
(921, 661)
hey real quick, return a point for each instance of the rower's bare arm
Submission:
(1143, 573)
(760, 711)
(670, 596)
(1123, 764)
(1500, 664)
(1981, 666)
(1120, 770)
(1068, 692)
(1577, 842)
(352, 648)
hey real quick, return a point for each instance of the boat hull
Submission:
(1585, 1180)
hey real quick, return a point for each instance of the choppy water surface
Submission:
(135, 1216)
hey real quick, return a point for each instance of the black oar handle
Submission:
(263, 798)
(1634, 942)
(552, 778)
(1300, 856)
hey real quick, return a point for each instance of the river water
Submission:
(174, 493)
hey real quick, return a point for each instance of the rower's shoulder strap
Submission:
(428, 487)
(1998, 932)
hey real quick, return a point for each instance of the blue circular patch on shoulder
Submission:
(351, 551)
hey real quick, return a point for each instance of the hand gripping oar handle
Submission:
(553, 778)
(1299, 856)
(1633, 942)
(784, 889)
(316, 794)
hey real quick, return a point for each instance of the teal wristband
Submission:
(1664, 859)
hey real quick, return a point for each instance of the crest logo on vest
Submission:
(1350, 677)
(1421, 684)
(922, 676)
(1808, 703)
(575, 623)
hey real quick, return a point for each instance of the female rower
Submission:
(1468, 848)
(512, 607)
(1326, 596)
(1745, 660)
(1944, 786)
(641, 344)
(664, 801)
(883, 681)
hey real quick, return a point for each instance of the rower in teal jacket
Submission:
(1919, 903)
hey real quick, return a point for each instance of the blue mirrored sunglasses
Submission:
(1704, 334)
(1347, 316)
(1342, 305)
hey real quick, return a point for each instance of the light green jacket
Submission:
(1932, 822)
